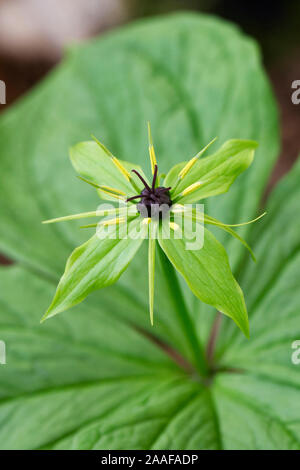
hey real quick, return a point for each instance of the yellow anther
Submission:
(152, 158)
(187, 168)
(174, 226)
(190, 189)
(121, 168)
(151, 150)
(193, 160)
(146, 221)
(118, 164)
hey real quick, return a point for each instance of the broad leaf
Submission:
(207, 273)
(214, 174)
(97, 263)
(88, 94)
(88, 379)
(93, 163)
(83, 358)
(272, 289)
(64, 375)
(212, 84)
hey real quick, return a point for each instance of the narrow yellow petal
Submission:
(71, 217)
(247, 223)
(132, 210)
(151, 150)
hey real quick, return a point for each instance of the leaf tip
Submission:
(245, 329)
(44, 318)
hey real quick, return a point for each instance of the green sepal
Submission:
(216, 172)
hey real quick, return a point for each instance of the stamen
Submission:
(151, 149)
(193, 160)
(191, 188)
(116, 162)
(154, 177)
(121, 168)
(187, 168)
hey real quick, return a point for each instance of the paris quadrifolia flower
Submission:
(162, 212)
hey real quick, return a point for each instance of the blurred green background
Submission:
(34, 35)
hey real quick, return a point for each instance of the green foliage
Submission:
(216, 172)
(100, 261)
(207, 273)
(93, 265)
(91, 162)
(92, 378)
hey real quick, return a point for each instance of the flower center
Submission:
(155, 201)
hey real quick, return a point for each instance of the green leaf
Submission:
(207, 273)
(272, 288)
(92, 378)
(88, 94)
(65, 375)
(151, 264)
(214, 174)
(94, 164)
(97, 263)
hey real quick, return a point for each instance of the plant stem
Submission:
(183, 314)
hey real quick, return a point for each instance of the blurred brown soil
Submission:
(282, 76)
